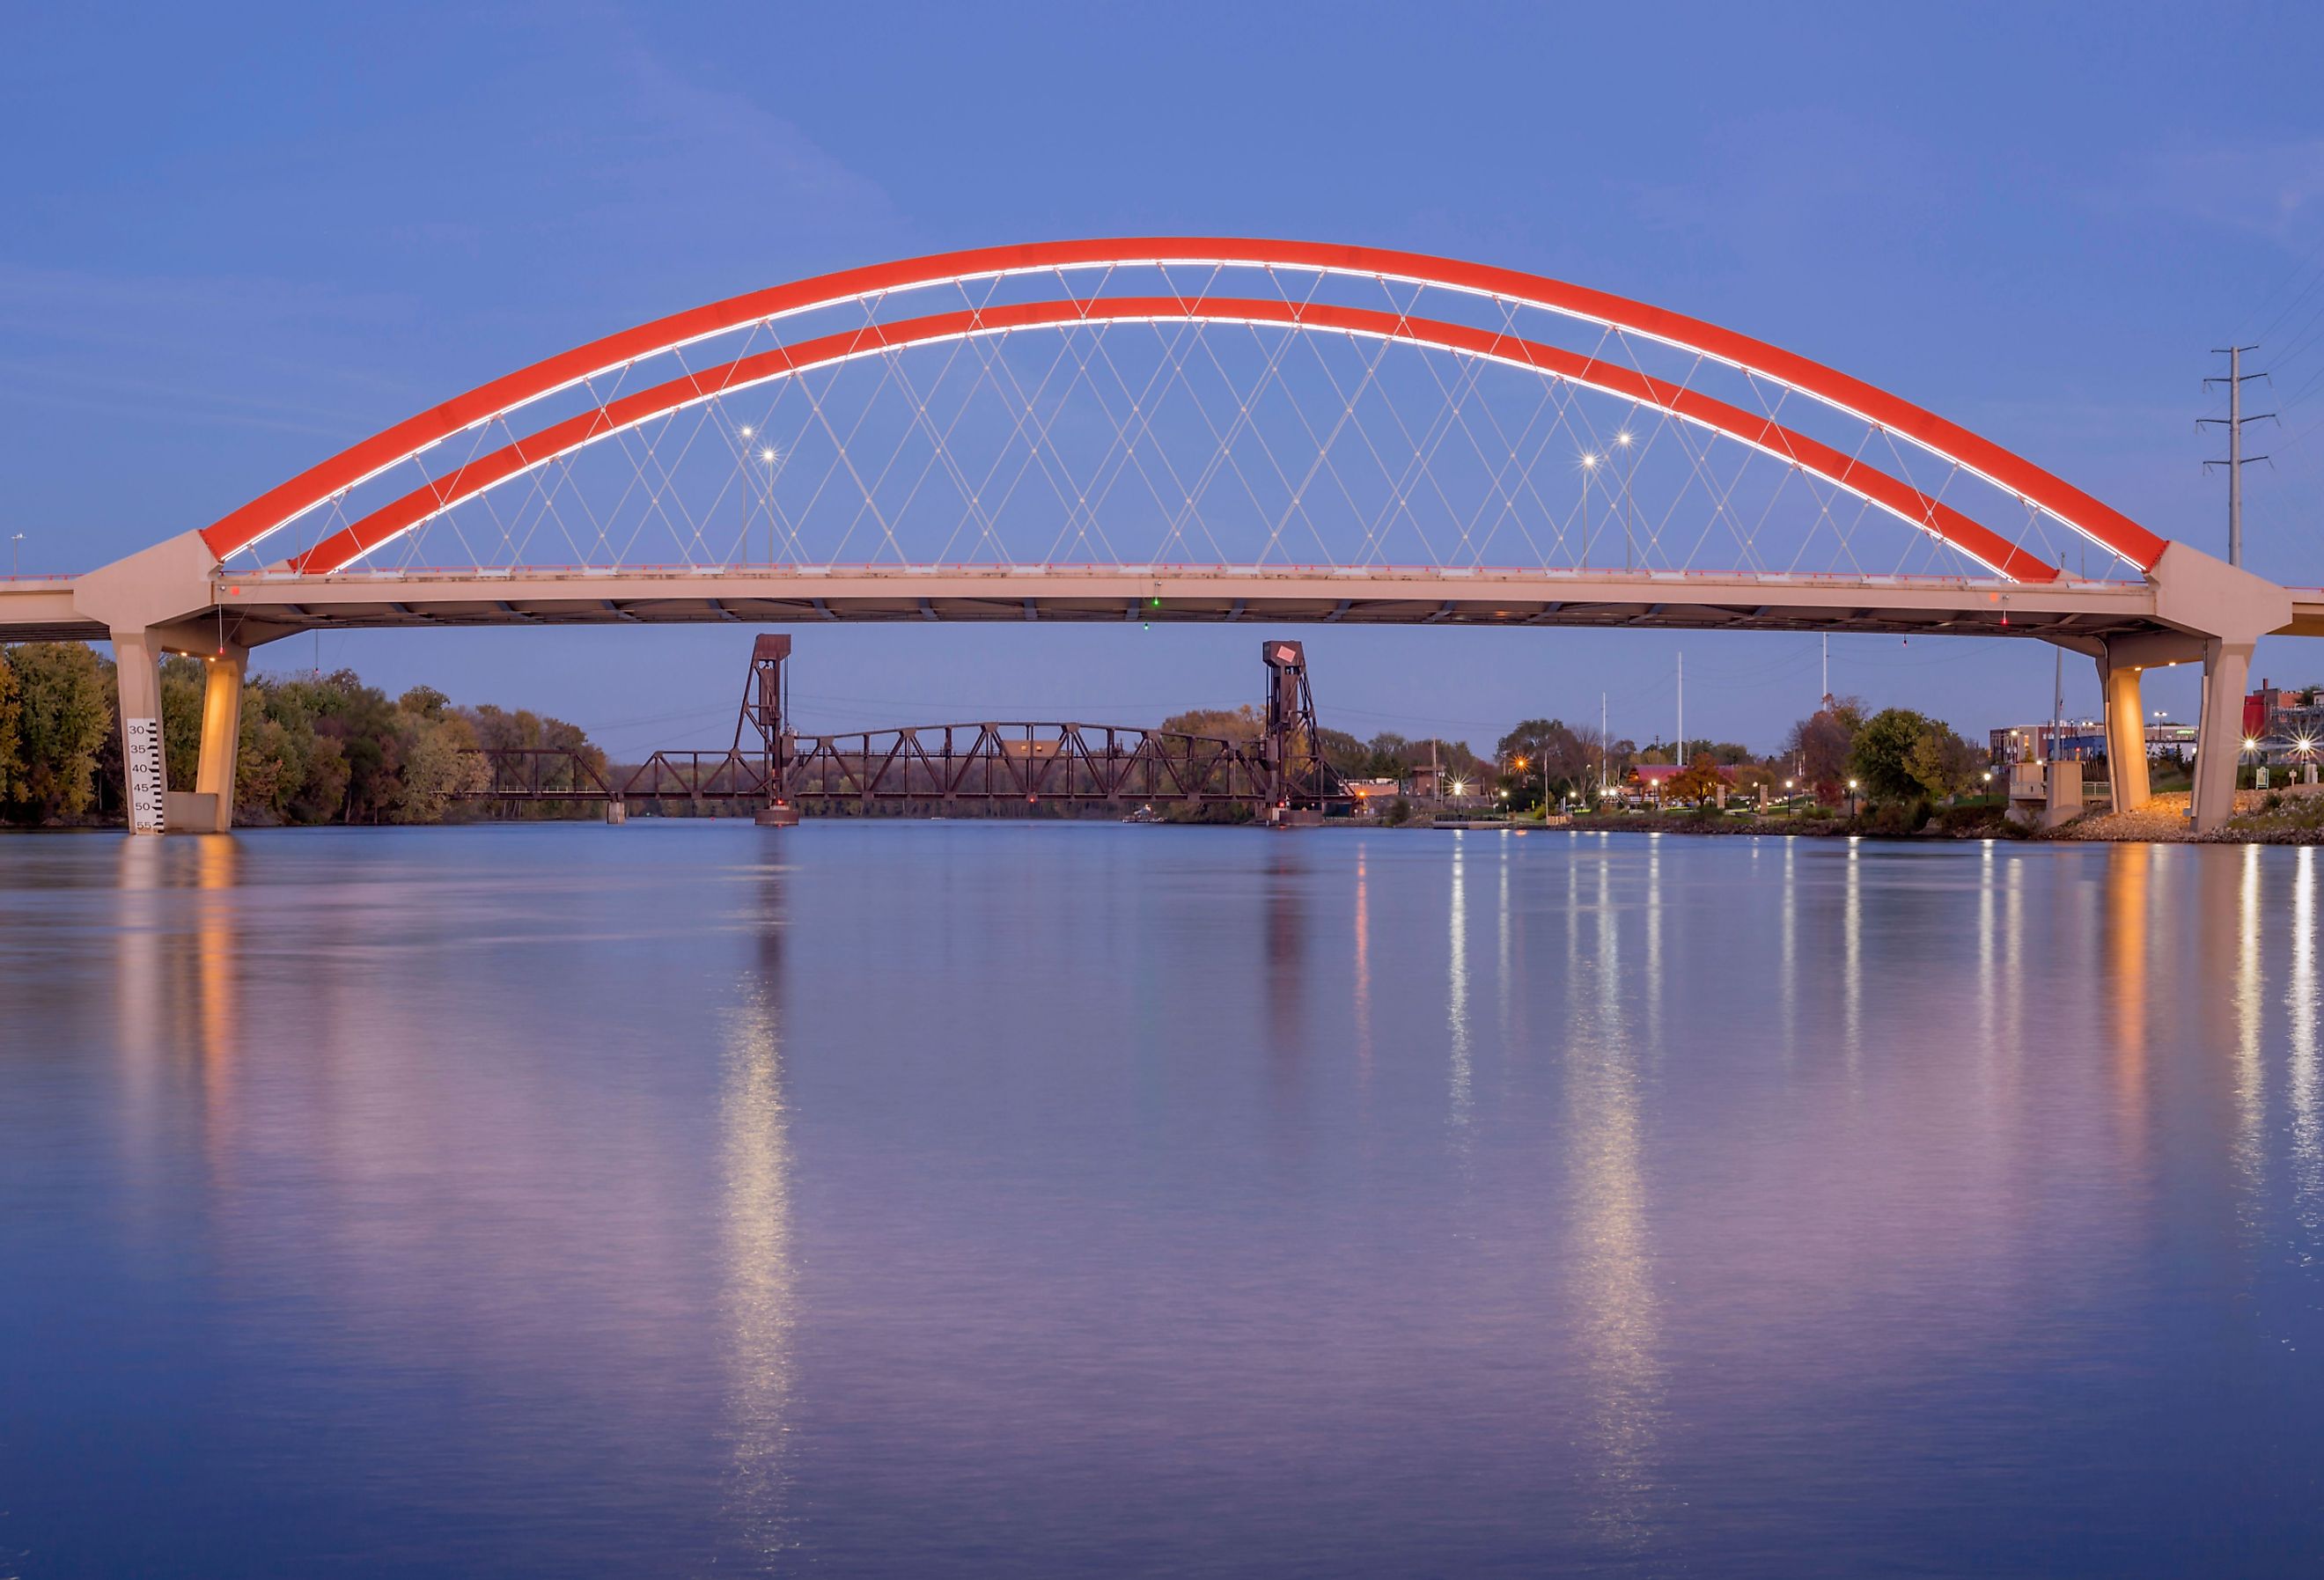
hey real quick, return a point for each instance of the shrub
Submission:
(1898, 816)
(1974, 817)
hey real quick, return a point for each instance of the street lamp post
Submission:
(1852, 797)
(1630, 474)
(13, 540)
(1588, 470)
(769, 455)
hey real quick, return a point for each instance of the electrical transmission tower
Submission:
(2234, 423)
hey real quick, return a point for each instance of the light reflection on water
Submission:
(686, 1198)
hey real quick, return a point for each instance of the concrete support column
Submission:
(221, 732)
(137, 666)
(2126, 734)
(2219, 733)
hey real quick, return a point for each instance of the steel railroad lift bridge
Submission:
(1281, 777)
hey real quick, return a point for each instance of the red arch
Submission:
(2102, 524)
(1899, 499)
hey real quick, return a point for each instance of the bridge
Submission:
(1279, 777)
(1173, 429)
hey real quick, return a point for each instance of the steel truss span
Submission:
(1200, 401)
(930, 765)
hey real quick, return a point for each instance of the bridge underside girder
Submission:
(2082, 614)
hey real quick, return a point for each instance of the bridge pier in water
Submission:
(2124, 711)
(2220, 732)
(153, 807)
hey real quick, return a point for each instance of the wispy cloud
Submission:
(2271, 189)
(672, 148)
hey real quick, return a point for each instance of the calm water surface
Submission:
(966, 1198)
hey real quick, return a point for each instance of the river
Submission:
(929, 1199)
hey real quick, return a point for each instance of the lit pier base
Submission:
(1294, 817)
(213, 808)
(2126, 733)
(2218, 734)
(617, 812)
(779, 815)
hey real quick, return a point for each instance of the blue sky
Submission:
(233, 241)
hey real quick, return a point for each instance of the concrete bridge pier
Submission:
(2206, 610)
(2219, 733)
(224, 673)
(2218, 730)
(2126, 731)
(153, 807)
(137, 670)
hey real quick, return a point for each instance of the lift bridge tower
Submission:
(1299, 783)
(765, 711)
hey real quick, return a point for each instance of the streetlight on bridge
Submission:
(1588, 470)
(1630, 477)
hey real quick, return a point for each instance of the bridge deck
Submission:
(269, 605)
(1370, 596)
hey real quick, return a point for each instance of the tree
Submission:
(1880, 760)
(1386, 755)
(1818, 744)
(1941, 762)
(1233, 723)
(65, 715)
(1344, 753)
(1698, 780)
(1553, 754)
(12, 761)
(440, 764)
(270, 768)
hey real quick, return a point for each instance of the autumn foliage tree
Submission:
(1698, 780)
(1818, 744)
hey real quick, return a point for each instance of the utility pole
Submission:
(2234, 423)
(1680, 751)
(1827, 670)
(1601, 745)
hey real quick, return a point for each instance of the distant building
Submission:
(2288, 724)
(2082, 739)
